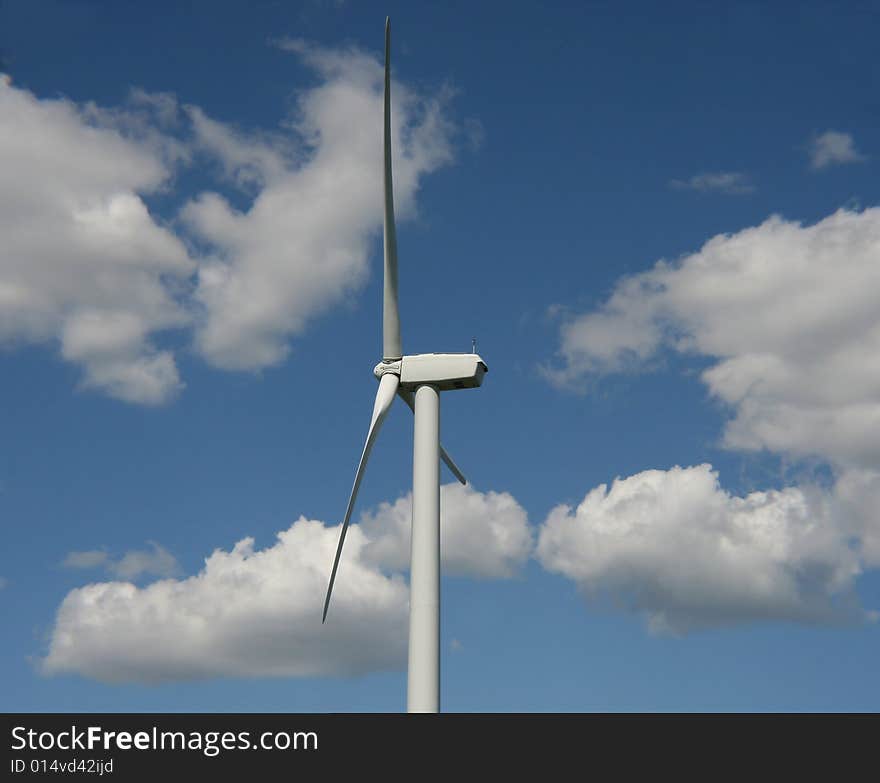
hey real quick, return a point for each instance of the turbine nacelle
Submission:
(445, 371)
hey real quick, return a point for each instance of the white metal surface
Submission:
(391, 343)
(384, 397)
(423, 684)
(418, 379)
(446, 371)
(407, 396)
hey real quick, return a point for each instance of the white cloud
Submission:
(304, 242)
(729, 182)
(82, 261)
(857, 503)
(156, 561)
(831, 148)
(787, 314)
(675, 547)
(246, 158)
(258, 612)
(246, 613)
(86, 266)
(89, 558)
(481, 534)
(3, 582)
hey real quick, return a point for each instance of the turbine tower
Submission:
(418, 380)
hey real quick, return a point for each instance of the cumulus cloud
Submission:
(247, 159)
(257, 612)
(788, 316)
(304, 242)
(88, 558)
(857, 503)
(481, 534)
(729, 182)
(675, 547)
(156, 561)
(83, 263)
(246, 613)
(833, 148)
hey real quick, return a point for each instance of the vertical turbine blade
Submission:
(391, 345)
(384, 397)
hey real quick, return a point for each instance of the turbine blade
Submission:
(452, 466)
(407, 397)
(392, 348)
(384, 397)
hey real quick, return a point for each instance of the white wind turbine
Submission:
(418, 379)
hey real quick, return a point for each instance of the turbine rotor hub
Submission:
(383, 368)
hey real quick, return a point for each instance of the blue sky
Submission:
(189, 316)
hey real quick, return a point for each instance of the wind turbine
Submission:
(418, 379)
